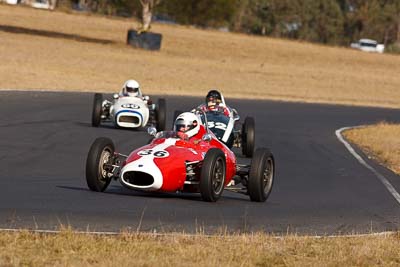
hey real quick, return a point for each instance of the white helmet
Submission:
(131, 88)
(187, 123)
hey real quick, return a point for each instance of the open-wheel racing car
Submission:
(129, 111)
(172, 162)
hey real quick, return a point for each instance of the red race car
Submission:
(188, 159)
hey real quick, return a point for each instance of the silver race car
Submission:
(129, 111)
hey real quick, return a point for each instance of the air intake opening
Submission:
(138, 178)
(129, 119)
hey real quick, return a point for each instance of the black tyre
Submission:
(261, 176)
(248, 137)
(212, 177)
(161, 114)
(100, 154)
(97, 107)
(176, 114)
(145, 40)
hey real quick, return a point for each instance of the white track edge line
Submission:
(382, 178)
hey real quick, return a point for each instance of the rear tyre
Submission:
(248, 137)
(97, 107)
(99, 156)
(261, 176)
(161, 114)
(212, 176)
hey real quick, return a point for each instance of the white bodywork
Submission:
(146, 164)
(129, 112)
(12, 2)
(368, 45)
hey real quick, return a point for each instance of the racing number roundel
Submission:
(156, 154)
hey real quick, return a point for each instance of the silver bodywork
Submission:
(127, 112)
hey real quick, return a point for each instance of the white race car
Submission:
(129, 111)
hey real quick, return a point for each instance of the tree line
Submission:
(337, 22)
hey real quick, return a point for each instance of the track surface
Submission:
(319, 188)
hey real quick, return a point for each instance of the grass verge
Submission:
(380, 141)
(70, 249)
(75, 52)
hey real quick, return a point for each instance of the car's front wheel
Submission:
(261, 175)
(99, 164)
(212, 177)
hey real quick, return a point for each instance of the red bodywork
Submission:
(169, 156)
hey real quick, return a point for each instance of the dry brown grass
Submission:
(381, 141)
(69, 249)
(190, 63)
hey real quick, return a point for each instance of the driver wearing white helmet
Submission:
(131, 88)
(188, 126)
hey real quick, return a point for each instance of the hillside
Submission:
(61, 51)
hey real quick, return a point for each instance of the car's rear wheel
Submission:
(97, 107)
(98, 164)
(161, 114)
(212, 177)
(261, 176)
(248, 137)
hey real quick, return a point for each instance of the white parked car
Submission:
(129, 111)
(368, 45)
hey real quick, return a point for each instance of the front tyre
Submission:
(97, 107)
(161, 114)
(248, 137)
(98, 164)
(212, 177)
(261, 176)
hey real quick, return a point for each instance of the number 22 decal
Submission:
(156, 154)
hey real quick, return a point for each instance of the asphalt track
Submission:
(320, 188)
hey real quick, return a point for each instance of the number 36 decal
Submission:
(156, 154)
(217, 125)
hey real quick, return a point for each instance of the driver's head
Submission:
(213, 98)
(131, 88)
(187, 123)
